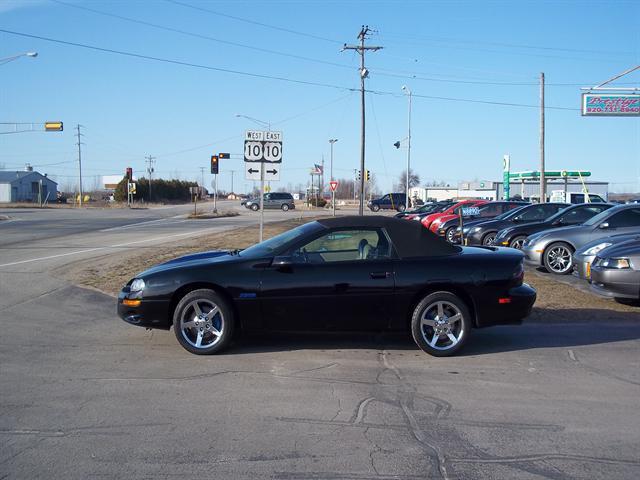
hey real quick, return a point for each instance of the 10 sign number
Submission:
(253, 151)
(256, 151)
(272, 151)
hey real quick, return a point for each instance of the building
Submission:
(27, 186)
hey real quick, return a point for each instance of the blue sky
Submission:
(477, 50)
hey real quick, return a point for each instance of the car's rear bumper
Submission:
(149, 314)
(510, 309)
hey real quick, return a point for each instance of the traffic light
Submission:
(214, 164)
(129, 173)
(358, 174)
(397, 144)
(53, 126)
(367, 175)
(224, 156)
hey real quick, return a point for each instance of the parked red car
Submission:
(435, 219)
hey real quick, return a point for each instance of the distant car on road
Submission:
(553, 249)
(516, 235)
(616, 271)
(390, 201)
(346, 273)
(583, 258)
(279, 200)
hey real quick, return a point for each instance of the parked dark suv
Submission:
(391, 201)
(281, 200)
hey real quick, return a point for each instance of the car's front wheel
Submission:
(450, 234)
(375, 208)
(557, 258)
(203, 322)
(441, 324)
(254, 207)
(489, 239)
(518, 242)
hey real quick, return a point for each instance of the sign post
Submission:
(506, 166)
(333, 185)
(262, 147)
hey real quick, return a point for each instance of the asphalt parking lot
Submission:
(86, 396)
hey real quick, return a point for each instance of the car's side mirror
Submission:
(558, 222)
(282, 261)
(604, 225)
(517, 219)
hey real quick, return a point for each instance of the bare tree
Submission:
(414, 180)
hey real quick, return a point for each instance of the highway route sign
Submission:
(261, 146)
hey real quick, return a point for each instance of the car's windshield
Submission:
(598, 218)
(266, 248)
(559, 214)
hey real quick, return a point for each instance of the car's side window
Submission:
(580, 215)
(345, 246)
(626, 218)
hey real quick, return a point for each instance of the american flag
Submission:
(317, 170)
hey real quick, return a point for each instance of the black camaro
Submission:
(346, 273)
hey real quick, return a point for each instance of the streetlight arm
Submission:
(255, 120)
(15, 57)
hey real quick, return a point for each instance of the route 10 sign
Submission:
(262, 146)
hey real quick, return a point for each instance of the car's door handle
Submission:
(378, 275)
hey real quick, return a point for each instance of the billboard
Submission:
(610, 105)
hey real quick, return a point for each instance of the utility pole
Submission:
(406, 89)
(150, 162)
(202, 176)
(232, 172)
(79, 135)
(364, 73)
(543, 186)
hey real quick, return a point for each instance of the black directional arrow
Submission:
(274, 171)
(251, 170)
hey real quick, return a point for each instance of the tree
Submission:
(414, 180)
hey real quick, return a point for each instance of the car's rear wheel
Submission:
(401, 207)
(518, 242)
(203, 322)
(441, 324)
(489, 239)
(255, 207)
(557, 258)
(375, 208)
(284, 207)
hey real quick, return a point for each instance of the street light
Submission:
(333, 192)
(16, 57)
(406, 90)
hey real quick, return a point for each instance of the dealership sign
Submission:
(606, 105)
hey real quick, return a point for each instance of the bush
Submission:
(317, 202)
(162, 190)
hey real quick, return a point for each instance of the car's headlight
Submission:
(417, 219)
(137, 285)
(476, 229)
(617, 263)
(596, 248)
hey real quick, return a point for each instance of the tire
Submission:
(451, 231)
(557, 258)
(375, 208)
(426, 316)
(517, 242)
(197, 333)
(254, 207)
(489, 239)
(401, 208)
(284, 207)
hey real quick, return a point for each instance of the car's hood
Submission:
(556, 231)
(214, 256)
(630, 248)
(613, 240)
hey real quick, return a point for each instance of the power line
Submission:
(253, 22)
(200, 36)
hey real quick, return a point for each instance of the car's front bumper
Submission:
(532, 255)
(613, 283)
(582, 266)
(149, 313)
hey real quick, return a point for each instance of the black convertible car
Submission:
(346, 273)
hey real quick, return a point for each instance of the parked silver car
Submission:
(553, 249)
(583, 258)
(281, 200)
(616, 272)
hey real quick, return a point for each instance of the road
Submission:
(83, 395)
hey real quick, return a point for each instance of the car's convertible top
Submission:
(411, 239)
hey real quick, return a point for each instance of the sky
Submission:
(473, 68)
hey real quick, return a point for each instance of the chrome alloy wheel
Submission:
(489, 239)
(559, 259)
(202, 323)
(451, 231)
(518, 242)
(441, 325)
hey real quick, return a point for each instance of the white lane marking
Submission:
(131, 225)
(120, 245)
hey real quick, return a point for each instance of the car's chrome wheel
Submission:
(557, 258)
(518, 242)
(255, 207)
(203, 322)
(489, 239)
(285, 207)
(440, 324)
(450, 233)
